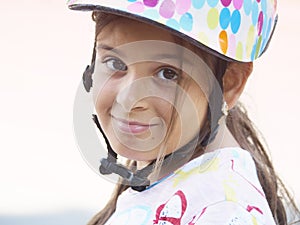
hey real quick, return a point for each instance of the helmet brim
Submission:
(90, 7)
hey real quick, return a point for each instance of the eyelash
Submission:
(168, 69)
(111, 60)
(111, 66)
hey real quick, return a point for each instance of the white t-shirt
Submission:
(217, 188)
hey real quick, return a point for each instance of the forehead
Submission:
(117, 30)
(123, 30)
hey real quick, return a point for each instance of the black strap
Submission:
(109, 148)
(111, 155)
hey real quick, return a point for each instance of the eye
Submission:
(115, 64)
(168, 74)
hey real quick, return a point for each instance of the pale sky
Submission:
(44, 49)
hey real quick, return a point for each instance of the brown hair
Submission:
(243, 130)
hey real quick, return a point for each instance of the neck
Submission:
(223, 139)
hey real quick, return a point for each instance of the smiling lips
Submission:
(132, 127)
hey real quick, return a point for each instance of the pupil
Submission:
(118, 65)
(169, 74)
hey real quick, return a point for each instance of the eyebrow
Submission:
(167, 56)
(157, 57)
(108, 48)
(181, 59)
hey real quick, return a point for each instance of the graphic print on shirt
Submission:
(172, 211)
(228, 213)
(230, 195)
(257, 214)
(254, 186)
(209, 164)
(137, 215)
(196, 218)
(229, 186)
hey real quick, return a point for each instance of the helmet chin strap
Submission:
(138, 180)
(112, 155)
(109, 165)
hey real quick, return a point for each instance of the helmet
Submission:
(235, 30)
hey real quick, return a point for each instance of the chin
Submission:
(134, 154)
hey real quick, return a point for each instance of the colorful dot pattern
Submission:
(238, 29)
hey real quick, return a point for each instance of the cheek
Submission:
(162, 109)
(103, 100)
(201, 104)
(104, 88)
(190, 117)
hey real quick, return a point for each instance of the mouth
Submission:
(131, 127)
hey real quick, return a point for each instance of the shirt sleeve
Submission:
(230, 213)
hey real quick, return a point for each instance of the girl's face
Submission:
(145, 91)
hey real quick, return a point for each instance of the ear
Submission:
(234, 81)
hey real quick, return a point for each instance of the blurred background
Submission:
(44, 49)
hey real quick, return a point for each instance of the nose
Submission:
(132, 91)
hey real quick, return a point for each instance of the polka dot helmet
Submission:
(237, 30)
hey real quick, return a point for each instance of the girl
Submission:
(165, 79)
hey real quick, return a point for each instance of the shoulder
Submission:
(223, 186)
(219, 187)
(221, 157)
(219, 165)
(226, 173)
